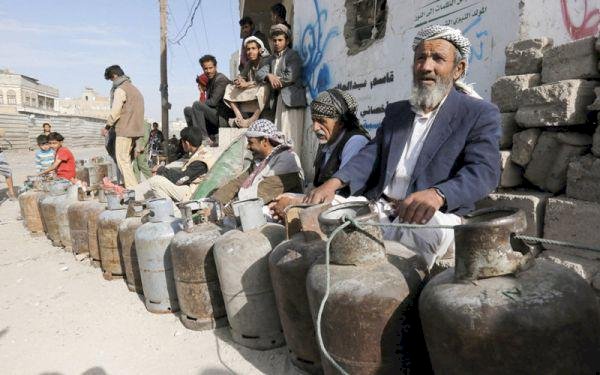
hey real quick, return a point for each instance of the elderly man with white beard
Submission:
(433, 156)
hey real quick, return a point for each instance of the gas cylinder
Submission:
(92, 230)
(62, 216)
(108, 231)
(196, 280)
(242, 264)
(78, 214)
(48, 207)
(30, 209)
(289, 263)
(152, 243)
(370, 323)
(503, 311)
(97, 169)
(136, 211)
(82, 173)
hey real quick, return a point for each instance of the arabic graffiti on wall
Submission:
(589, 23)
(313, 45)
(460, 14)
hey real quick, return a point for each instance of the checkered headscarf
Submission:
(454, 36)
(447, 33)
(262, 128)
(324, 106)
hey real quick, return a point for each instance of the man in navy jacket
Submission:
(434, 155)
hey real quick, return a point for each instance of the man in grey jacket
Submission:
(283, 72)
(213, 113)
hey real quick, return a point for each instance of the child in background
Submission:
(44, 157)
(64, 161)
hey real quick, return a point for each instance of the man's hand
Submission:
(240, 83)
(279, 204)
(155, 169)
(274, 81)
(324, 193)
(419, 207)
(103, 132)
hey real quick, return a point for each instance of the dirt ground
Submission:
(59, 316)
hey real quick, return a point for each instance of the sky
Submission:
(67, 44)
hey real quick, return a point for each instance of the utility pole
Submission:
(164, 87)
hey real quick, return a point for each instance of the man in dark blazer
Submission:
(283, 73)
(213, 113)
(434, 155)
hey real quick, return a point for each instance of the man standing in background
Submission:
(140, 154)
(126, 118)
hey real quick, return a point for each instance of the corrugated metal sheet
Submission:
(21, 130)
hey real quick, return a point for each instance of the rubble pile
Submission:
(550, 146)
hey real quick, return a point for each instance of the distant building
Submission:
(176, 126)
(89, 104)
(20, 93)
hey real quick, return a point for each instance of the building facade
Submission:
(89, 104)
(20, 93)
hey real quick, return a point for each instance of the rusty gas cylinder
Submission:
(153, 247)
(135, 217)
(57, 192)
(62, 216)
(78, 214)
(196, 280)
(503, 311)
(30, 209)
(108, 232)
(92, 229)
(82, 173)
(97, 169)
(370, 323)
(243, 267)
(289, 263)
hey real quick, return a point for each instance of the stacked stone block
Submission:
(550, 103)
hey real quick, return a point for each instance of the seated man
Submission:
(246, 95)
(283, 74)
(178, 183)
(213, 113)
(247, 29)
(340, 137)
(275, 168)
(433, 156)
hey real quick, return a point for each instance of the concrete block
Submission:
(512, 174)
(595, 106)
(583, 179)
(596, 140)
(586, 268)
(523, 145)
(532, 202)
(506, 91)
(509, 127)
(556, 104)
(551, 157)
(574, 60)
(573, 221)
(525, 56)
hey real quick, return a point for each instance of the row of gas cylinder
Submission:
(500, 310)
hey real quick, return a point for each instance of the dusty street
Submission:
(59, 316)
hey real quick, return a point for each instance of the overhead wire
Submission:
(179, 37)
(190, 60)
(196, 39)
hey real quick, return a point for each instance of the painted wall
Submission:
(382, 73)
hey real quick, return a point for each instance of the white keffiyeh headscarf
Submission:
(454, 36)
(262, 50)
(263, 128)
